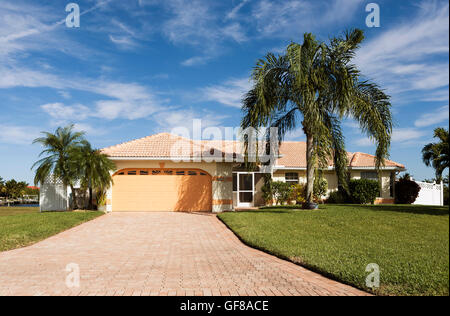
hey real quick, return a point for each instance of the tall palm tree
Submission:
(316, 85)
(57, 163)
(437, 154)
(94, 169)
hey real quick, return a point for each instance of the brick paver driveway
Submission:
(155, 254)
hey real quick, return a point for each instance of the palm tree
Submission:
(94, 169)
(57, 163)
(436, 154)
(317, 85)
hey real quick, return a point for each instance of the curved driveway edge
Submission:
(156, 254)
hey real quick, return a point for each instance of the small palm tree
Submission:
(316, 85)
(437, 154)
(57, 163)
(94, 169)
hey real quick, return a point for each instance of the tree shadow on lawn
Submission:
(409, 209)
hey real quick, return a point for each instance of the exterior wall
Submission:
(332, 180)
(222, 186)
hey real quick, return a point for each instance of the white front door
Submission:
(246, 189)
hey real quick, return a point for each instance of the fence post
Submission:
(442, 193)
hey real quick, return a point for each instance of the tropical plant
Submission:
(57, 162)
(281, 191)
(316, 85)
(94, 168)
(320, 188)
(298, 193)
(437, 154)
(364, 191)
(406, 190)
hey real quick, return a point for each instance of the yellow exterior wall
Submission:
(332, 180)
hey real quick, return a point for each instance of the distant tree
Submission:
(94, 169)
(2, 187)
(58, 148)
(14, 189)
(437, 154)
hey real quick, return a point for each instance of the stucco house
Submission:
(165, 172)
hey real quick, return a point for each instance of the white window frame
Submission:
(292, 181)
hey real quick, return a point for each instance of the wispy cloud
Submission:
(412, 56)
(17, 135)
(229, 93)
(440, 115)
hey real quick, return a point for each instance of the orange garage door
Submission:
(157, 190)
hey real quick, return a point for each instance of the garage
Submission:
(162, 190)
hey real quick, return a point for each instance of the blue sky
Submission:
(139, 67)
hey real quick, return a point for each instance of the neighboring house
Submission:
(148, 178)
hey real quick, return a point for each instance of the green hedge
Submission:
(364, 191)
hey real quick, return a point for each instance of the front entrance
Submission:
(244, 189)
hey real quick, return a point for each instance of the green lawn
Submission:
(23, 227)
(409, 243)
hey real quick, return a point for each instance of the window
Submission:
(180, 173)
(143, 173)
(168, 172)
(132, 173)
(371, 175)
(291, 177)
(156, 172)
(192, 173)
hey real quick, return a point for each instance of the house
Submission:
(165, 172)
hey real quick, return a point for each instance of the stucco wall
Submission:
(332, 180)
(222, 186)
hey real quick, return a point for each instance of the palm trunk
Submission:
(91, 204)
(74, 198)
(310, 164)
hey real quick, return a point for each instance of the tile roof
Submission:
(292, 154)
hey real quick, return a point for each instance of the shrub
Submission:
(267, 192)
(338, 197)
(406, 191)
(298, 193)
(320, 188)
(364, 191)
(281, 191)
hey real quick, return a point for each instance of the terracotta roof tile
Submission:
(292, 154)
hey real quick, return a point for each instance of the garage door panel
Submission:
(162, 193)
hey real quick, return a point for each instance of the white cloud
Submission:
(412, 56)
(60, 111)
(407, 135)
(438, 116)
(169, 120)
(230, 93)
(400, 137)
(289, 18)
(195, 61)
(17, 135)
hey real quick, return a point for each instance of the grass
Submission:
(409, 243)
(23, 227)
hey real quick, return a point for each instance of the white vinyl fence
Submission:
(54, 196)
(430, 194)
